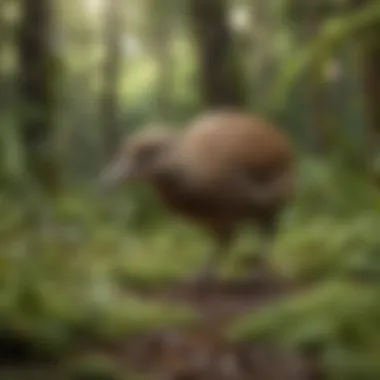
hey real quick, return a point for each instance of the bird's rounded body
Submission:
(221, 169)
(217, 153)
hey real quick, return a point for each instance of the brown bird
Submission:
(222, 169)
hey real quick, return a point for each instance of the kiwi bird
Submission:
(223, 168)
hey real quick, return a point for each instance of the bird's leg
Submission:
(268, 226)
(208, 271)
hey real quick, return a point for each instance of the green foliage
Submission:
(334, 32)
(331, 230)
(95, 367)
(349, 247)
(330, 247)
(341, 318)
(321, 314)
(59, 284)
(64, 265)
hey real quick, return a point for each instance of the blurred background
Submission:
(77, 75)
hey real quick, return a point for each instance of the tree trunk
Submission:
(371, 84)
(307, 18)
(368, 45)
(4, 33)
(38, 80)
(262, 73)
(161, 23)
(220, 73)
(109, 102)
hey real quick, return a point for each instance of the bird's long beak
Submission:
(114, 174)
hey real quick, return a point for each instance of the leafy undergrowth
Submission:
(162, 257)
(339, 320)
(60, 274)
(330, 247)
(59, 288)
(331, 242)
(91, 367)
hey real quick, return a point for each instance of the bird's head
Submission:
(139, 156)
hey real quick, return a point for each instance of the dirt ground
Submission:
(202, 352)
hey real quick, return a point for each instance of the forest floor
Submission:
(202, 351)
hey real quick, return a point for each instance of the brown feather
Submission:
(223, 168)
(221, 159)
